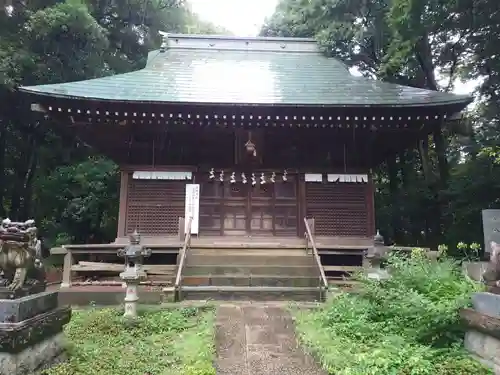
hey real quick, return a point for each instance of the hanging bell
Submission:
(233, 178)
(221, 176)
(243, 178)
(262, 179)
(211, 174)
(273, 177)
(254, 180)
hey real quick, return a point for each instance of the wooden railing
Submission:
(310, 240)
(182, 260)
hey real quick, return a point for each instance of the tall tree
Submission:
(426, 44)
(58, 180)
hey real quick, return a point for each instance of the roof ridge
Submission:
(234, 43)
(236, 38)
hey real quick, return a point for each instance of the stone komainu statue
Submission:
(491, 276)
(20, 256)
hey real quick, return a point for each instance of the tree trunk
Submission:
(423, 149)
(394, 193)
(3, 144)
(403, 167)
(27, 197)
(433, 212)
(440, 144)
(424, 58)
(21, 193)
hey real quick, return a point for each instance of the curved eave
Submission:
(461, 101)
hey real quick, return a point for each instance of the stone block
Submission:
(474, 270)
(484, 346)
(17, 310)
(378, 274)
(6, 293)
(487, 303)
(36, 358)
(15, 337)
(29, 346)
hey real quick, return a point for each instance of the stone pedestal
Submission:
(483, 337)
(130, 301)
(132, 276)
(5, 293)
(31, 337)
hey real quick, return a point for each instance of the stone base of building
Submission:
(31, 337)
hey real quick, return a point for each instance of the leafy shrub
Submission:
(406, 325)
(165, 342)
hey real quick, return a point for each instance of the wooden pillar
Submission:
(311, 223)
(301, 202)
(122, 212)
(182, 228)
(370, 195)
(68, 263)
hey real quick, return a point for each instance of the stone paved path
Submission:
(259, 339)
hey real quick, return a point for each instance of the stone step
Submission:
(249, 251)
(254, 270)
(252, 280)
(249, 259)
(250, 293)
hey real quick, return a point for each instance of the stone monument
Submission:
(491, 227)
(134, 255)
(482, 338)
(31, 321)
(491, 276)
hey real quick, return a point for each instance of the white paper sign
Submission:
(314, 177)
(192, 207)
(148, 175)
(347, 178)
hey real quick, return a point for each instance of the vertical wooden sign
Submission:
(192, 207)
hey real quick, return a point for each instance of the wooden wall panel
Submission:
(339, 209)
(154, 206)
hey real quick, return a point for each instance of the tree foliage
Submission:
(69, 190)
(434, 193)
(407, 324)
(426, 196)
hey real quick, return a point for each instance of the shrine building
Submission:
(248, 136)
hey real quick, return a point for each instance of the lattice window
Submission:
(154, 206)
(338, 209)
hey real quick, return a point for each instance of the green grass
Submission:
(408, 325)
(163, 342)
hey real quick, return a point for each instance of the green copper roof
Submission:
(231, 70)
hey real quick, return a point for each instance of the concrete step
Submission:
(249, 293)
(254, 270)
(251, 280)
(248, 250)
(249, 259)
(242, 243)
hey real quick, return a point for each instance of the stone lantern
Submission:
(375, 256)
(134, 255)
